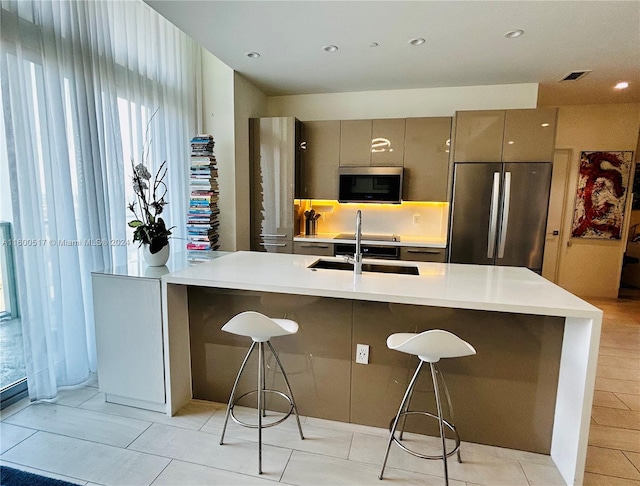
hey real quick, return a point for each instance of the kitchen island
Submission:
(530, 387)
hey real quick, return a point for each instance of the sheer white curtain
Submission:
(79, 82)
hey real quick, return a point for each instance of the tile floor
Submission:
(84, 440)
(613, 457)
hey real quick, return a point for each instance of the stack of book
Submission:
(202, 219)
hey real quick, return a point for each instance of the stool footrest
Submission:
(264, 426)
(425, 456)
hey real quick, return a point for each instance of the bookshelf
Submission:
(202, 219)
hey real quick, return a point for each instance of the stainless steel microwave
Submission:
(370, 185)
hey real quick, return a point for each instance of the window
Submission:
(8, 296)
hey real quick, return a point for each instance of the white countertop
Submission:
(421, 241)
(178, 260)
(479, 287)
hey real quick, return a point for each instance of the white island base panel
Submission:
(484, 288)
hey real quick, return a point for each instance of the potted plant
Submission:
(149, 228)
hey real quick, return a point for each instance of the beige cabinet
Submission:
(355, 142)
(426, 159)
(505, 135)
(312, 248)
(388, 142)
(320, 160)
(529, 135)
(422, 254)
(274, 158)
(478, 136)
(372, 142)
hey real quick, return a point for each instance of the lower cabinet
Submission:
(422, 254)
(129, 341)
(312, 248)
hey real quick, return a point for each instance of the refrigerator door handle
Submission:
(493, 217)
(505, 214)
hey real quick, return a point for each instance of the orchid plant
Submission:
(150, 201)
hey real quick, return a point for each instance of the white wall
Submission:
(218, 120)
(589, 267)
(249, 102)
(403, 103)
(228, 101)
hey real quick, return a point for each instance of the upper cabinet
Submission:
(372, 142)
(479, 136)
(505, 135)
(355, 142)
(529, 135)
(320, 160)
(388, 142)
(426, 159)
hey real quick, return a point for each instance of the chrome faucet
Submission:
(357, 257)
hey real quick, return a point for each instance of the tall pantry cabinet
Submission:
(274, 152)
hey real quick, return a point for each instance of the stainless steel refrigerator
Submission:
(499, 213)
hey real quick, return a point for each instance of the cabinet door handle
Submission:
(273, 244)
(430, 252)
(273, 236)
(313, 246)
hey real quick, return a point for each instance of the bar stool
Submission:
(260, 329)
(430, 347)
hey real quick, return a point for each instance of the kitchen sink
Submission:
(366, 267)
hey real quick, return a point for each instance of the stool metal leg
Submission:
(407, 394)
(233, 391)
(260, 401)
(264, 383)
(286, 380)
(442, 436)
(404, 417)
(448, 397)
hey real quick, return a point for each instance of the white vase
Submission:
(156, 259)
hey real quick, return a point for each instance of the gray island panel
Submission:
(504, 291)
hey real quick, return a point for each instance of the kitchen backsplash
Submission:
(421, 219)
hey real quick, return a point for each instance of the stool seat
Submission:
(259, 327)
(430, 346)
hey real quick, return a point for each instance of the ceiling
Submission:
(465, 44)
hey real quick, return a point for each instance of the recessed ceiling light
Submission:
(514, 33)
(622, 85)
(330, 48)
(545, 125)
(253, 55)
(511, 142)
(417, 41)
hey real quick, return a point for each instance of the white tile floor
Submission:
(82, 439)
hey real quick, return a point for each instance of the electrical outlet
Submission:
(416, 219)
(362, 353)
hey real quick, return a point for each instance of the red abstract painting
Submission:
(601, 197)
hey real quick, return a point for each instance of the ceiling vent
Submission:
(575, 75)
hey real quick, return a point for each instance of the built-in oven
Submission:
(368, 251)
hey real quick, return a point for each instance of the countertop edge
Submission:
(390, 298)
